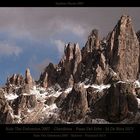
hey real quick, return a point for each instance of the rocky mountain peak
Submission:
(92, 44)
(98, 81)
(28, 77)
(93, 39)
(71, 51)
(123, 49)
(125, 19)
(66, 72)
(15, 79)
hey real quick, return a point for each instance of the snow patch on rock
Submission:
(138, 102)
(137, 84)
(98, 88)
(11, 96)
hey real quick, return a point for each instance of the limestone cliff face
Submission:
(123, 50)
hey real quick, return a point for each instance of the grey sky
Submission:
(43, 22)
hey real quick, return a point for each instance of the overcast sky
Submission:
(33, 37)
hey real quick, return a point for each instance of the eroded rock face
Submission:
(49, 76)
(113, 60)
(92, 44)
(116, 100)
(123, 50)
(117, 103)
(16, 79)
(18, 84)
(75, 105)
(23, 103)
(5, 115)
(59, 101)
(118, 51)
(66, 72)
(93, 96)
(50, 100)
(70, 63)
(94, 66)
(28, 77)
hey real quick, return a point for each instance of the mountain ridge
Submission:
(99, 81)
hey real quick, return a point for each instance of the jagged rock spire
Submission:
(123, 49)
(107, 63)
(72, 57)
(28, 77)
(15, 79)
(92, 44)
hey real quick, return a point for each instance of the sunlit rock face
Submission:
(96, 84)
(123, 50)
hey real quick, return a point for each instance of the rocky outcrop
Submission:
(23, 103)
(49, 76)
(94, 67)
(61, 98)
(71, 64)
(28, 78)
(50, 100)
(5, 110)
(15, 79)
(119, 51)
(123, 50)
(66, 72)
(117, 103)
(93, 96)
(75, 105)
(72, 58)
(18, 84)
(92, 44)
(89, 72)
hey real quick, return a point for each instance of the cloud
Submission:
(63, 25)
(60, 46)
(9, 49)
(41, 23)
(79, 30)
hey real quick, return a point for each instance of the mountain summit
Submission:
(96, 84)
